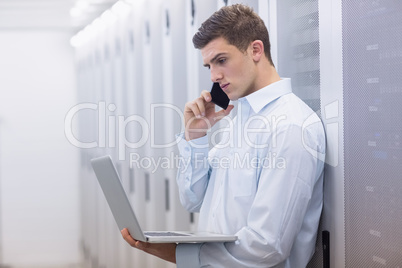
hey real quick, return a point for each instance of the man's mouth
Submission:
(224, 86)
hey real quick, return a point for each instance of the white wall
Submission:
(38, 167)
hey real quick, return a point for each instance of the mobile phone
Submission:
(219, 97)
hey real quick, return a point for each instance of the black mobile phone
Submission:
(219, 97)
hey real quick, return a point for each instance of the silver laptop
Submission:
(125, 217)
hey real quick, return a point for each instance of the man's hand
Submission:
(200, 115)
(165, 251)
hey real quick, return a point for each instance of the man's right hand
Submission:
(200, 116)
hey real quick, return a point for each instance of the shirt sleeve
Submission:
(188, 255)
(276, 215)
(193, 171)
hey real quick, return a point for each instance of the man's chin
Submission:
(233, 98)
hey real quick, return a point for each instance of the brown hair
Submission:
(238, 24)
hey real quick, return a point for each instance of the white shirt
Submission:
(262, 182)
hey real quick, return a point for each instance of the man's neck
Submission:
(267, 76)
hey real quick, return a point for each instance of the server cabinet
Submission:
(121, 113)
(175, 97)
(372, 84)
(153, 93)
(135, 107)
(356, 91)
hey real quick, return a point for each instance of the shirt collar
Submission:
(260, 98)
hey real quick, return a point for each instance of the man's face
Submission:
(234, 70)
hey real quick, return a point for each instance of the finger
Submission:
(206, 95)
(201, 106)
(228, 109)
(222, 113)
(129, 239)
(194, 108)
(141, 245)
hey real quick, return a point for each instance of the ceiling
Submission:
(69, 15)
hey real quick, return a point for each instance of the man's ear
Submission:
(257, 47)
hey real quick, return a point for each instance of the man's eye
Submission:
(221, 61)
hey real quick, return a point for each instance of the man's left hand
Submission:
(165, 251)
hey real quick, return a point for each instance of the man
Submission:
(263, 181)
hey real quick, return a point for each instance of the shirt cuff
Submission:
(188, 255)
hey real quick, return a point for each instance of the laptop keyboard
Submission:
(164, 234)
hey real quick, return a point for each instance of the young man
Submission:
(263, 181)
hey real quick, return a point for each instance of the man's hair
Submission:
(238, 24)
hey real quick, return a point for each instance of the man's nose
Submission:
(216, 75)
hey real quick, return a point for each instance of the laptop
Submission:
(124, 215)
